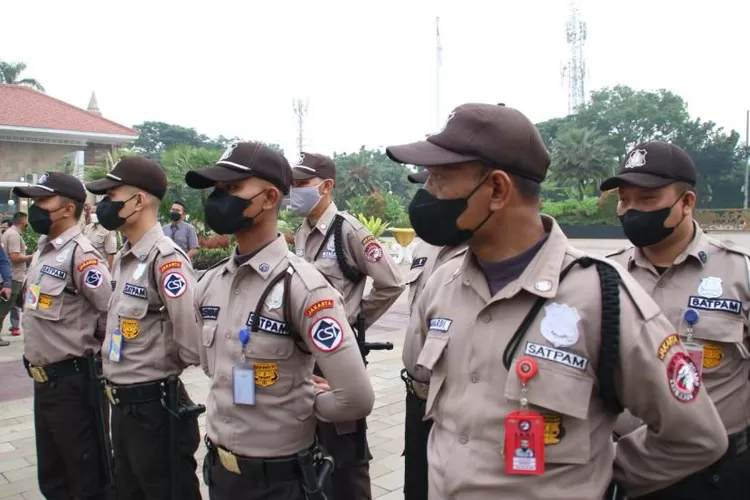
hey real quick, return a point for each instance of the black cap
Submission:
(499, 136)
(241, 161)
(51, 184)
(654, 164)
(312, 165)
(133, 171)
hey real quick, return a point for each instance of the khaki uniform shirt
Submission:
(104, 240)
(71, 306)
(458, 336)
(427, 258)
(153, 306)
(12, 242)
(712, 278)
(364, 253)
(287, 407)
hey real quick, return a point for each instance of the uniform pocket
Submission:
(432, 351)
(51, 298)
(208, 353)
(563, 398)
(715, 330)
(270, 356)
(411, 282)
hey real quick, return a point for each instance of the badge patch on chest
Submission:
(135, 291)
(560, 325)
(54, 272)
(556, 356)
(326, 334)
(417, 263)
(683, 377)
(266, 374)
(554, 431)
(130, 328)
(440, 324)
(45, 301)
(713, 354)
(299, 252)
(210, 312)
(93, 278)
(269, 325)
(710, 287)
(715, 304)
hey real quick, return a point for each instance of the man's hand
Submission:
(320, 383)
(5, 293)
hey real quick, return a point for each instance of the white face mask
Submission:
(304, 199)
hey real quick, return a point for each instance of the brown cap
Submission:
(241, 161)
(133, 171)
(51, 184)
(654, 164)
(312, 165)
(418, 177)
(497, 135)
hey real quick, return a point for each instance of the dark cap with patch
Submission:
(135, 171)
(243, 160)
(51, 184)
(312, 165)
(654, 164)
(499, 136)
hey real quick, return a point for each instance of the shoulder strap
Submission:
(286, 276)
(609, 349)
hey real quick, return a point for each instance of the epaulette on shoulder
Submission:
(619, 251)
(308, 274)
(167, 247)
(214, 266)
(730, 246)
(352, 220)
(85, 245)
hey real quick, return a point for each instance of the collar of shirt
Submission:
(264, 261)
(698, 244)
(326, 219)
(145, 244)
(61, 240)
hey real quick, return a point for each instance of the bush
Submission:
(31, 239)
(207, 257)
(588, 212)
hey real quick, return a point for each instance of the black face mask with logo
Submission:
(645, 229)
(224, 212)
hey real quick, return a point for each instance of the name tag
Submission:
(54, 272)
(269, 325)
(440, 324)
(135, 291)
(210, 312)
(556, 356)
(719, 304)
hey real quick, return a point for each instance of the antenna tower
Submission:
(438, 71)
(575, 69)
(300, 110)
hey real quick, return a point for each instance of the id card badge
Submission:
(115, 347)
(524, 443)
(243, 382)
(696, 354)
(32, 297)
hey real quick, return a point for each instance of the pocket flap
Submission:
(209, 334)
(52, 286)
(133, 308)
(556, 390)
(432, 350)
(269, 346)
(716, 327)
(414, 275)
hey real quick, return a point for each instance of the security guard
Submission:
(104, 240)
(520, 342)
(703, 286)
(267, 316)
(152, 335)
(65, 298)
(346, 253)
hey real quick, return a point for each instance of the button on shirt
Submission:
(183, 234)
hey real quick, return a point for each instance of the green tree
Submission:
(580, 158)
(10, 73)
(157, 137)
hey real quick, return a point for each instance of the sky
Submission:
(367, 69)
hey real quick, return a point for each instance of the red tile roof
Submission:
(25, 107)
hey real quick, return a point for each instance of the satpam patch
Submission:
(174, 285)
(175, 264)
(93, 278)
(683, 377)
(54, 272)
(87, 263)
(556, 356)
(373, 252)
(318, 306)
(130, 328)
(667, 344)
(266, 374)
(326, 334)
(718, 304)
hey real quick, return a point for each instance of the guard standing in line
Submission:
(65, 301)
(345, 252)
(267, 316)
(703, 287)
(104, 240)
(152, 335)
(537, 425)
(427, 258)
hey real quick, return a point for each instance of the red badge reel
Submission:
(524, 429)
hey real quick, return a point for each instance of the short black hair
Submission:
(180, 203)
(17, 217)
(527, 188)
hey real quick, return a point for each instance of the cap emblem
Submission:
(228, 152)
(636, 159)
(300, 159)
(43, 179)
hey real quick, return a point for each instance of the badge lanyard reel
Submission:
(524, 429)
(694, 349)
(243, 375)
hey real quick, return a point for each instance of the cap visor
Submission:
(101, 186)
(208, 177)
(648, 181)
(419, 177)
(300, 175)
(425, 154)
(32, 192)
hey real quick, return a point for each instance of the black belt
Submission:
(737, 443)
(54, 371)
(135, 393)
(415, 387)
(271, 470)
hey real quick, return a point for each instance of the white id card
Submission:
(243, 382)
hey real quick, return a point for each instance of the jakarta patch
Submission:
(174, 284)
(266, 374)
(683, 377)
(367, 239)
(175, 264)
(326, 334)
(373, 252)
(87, 263)
(93, 278)
(667, 344)
(318, 306)
(130, 328)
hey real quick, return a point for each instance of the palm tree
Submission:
(10, 73)
(580, 157)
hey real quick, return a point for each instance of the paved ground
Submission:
(17, 453)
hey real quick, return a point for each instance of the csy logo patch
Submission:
(326, 334)
(174, 284)
(93, 278)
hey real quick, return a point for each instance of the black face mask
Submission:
(175, 216)
(223, 212)
(40, 219)
(108, 213)
(644, 229)
(434, 220)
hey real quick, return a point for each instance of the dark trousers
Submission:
(225, 485)
(416, 432)
(140, 438)
(68, 450)
(351, 478)
(727, 479)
